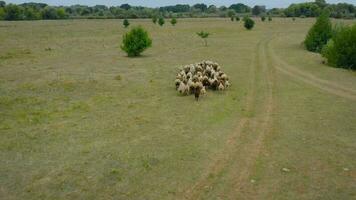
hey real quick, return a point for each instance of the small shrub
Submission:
(126, 23)
(161, 21)
(232, 18)
(204, 35)
(269, 18)
(154, 19)
(249, 23)
(293, 18)
(237, 18)
(136, 41)
(263, 18)
(319, 34)
(173, 21)
(340, 51)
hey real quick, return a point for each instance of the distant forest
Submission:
(39, 11)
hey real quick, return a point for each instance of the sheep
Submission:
(197, 78)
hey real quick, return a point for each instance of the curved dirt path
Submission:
(295, 72)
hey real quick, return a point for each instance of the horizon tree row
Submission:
(38, 11)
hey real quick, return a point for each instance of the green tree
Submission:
(126, 23)
(231, 13)
(13, 12)
(237, 18)
(263, 18)
(2, 4)
(49, 13)
(249, 23)
(2, 13)
(319, 34)
(61, 13)
(136, 41)
(340, 51)
(173, 21)
(161, 21)
(204, 35)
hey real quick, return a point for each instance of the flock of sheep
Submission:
(197, 78)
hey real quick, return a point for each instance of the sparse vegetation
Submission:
(204, 35)
(319, 34)
(154, 19)
(136, 41)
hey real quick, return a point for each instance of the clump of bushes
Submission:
(249, 23)
(197, 78)
(319, 34)
(136, 41)
(340, 51)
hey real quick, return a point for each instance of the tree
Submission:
(126, 23)
(61, 13)
(257, 10)
(237, 18)
(204, 35)
(2, 13)
(161, 21)
(200, 6)
(49, 13)
(340, 51)
(125, 6)
(240, 8)
(173, 21)
(269, 18)
(319, 34)
(154, 19)
(231, 13)
(263, 18)
(136, 41)
(2, 4)
(13, 12)
(249, 23)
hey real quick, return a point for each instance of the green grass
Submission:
(84, 121)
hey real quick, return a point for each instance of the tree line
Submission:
(38, 11)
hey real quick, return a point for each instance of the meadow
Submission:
(81, 120)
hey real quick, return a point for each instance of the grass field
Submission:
(80, 120)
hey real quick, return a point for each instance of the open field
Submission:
(80, 120)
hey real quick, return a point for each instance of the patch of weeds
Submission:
(15, 54)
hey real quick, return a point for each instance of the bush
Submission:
(232, 18)
(269, 18)
(340, 51)
(154, 19)
(237, 18)
(173, 21)
(263, 18)
(126, 23)
(319, 34)
(249, 23)
(136, 41)
(161, 21)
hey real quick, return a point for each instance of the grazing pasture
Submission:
(81, 120)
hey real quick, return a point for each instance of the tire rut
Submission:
(224, 157)
(325, 85)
